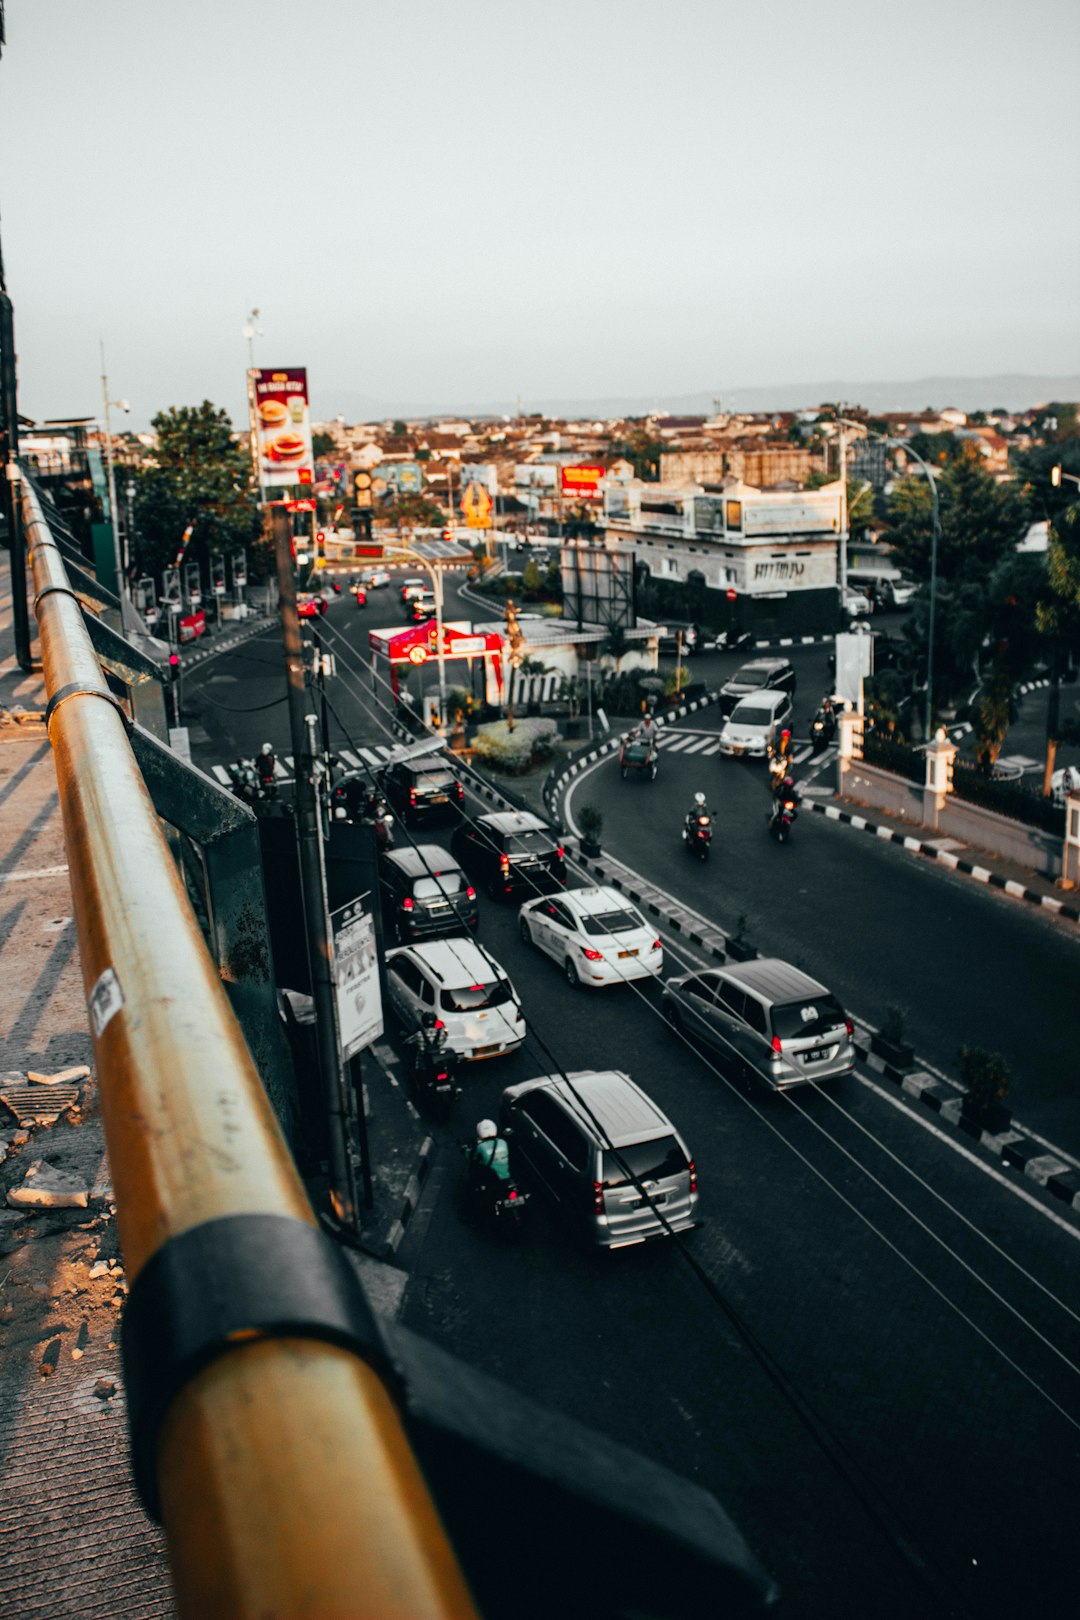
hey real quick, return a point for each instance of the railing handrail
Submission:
(285, 1479)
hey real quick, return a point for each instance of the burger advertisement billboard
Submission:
(582, 483)
(281, 424)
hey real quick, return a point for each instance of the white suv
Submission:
(754, 723)
(464, 986)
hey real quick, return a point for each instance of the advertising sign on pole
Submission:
(356, 976)
(476, 506)
(582, 483)
(281, 426)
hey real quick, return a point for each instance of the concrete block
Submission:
(44, 1186)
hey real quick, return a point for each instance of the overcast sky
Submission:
(460, 204)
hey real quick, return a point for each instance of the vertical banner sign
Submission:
(582, 483)
(356, 975)
(281, 427)
(476, 506)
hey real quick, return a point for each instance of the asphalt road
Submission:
(878, 1375)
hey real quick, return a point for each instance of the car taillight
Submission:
(408, 904)
(512, 1194)
(439, 1024)
(850, 1027)
(560, 853)
(591, 955)
(692, 1167)
(520, 1018)
(777, 1045)
(655, 946)
(470, 893)
(412, 795)
(598, 1197)
(460, 790)
(504, 865)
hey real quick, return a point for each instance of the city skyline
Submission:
(466, 210)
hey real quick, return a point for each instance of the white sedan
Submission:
(595, 934)
(374, 578)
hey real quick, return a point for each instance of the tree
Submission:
(414, 512)
(198, 474)
(400, 429)
(322, 445)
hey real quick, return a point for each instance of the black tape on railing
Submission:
(76, 689)
(215, 1288)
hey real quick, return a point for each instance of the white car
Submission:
(374, 578)
(595, 935)
(464, 986)
(411, 588)
(754, 723)
(854, 603)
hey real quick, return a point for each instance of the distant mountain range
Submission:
(1012, 390)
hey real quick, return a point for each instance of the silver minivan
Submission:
(604, 1152)
(764, 1018)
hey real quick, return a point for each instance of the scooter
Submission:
(727, 641)
(822, 727)
(433, 1079)
(782, 817)
(501, 1202)
(697, 835)
(245, 783)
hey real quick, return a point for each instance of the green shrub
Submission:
(986, 1078)
(531, 741)
(591, 822)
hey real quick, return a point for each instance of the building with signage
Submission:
(737, 558)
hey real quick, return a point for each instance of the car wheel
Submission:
(572, 975)
(525, 931)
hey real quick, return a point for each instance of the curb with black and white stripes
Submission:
(191, 655)
(412, 1197)
(944, 857)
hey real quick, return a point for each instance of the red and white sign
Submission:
(193, 626)
(582, 483)
(281, 425)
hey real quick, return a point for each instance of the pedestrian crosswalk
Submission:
(356, 760)
(689, 742)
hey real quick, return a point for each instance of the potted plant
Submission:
(591, 821)
(986, 1079)
(889, 1042)
(738, 947)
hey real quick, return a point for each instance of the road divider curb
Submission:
(560, 778)
(412, 1197)
(944, 857)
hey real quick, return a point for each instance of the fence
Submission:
(898, 757)
(1011, 799)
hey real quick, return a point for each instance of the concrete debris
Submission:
(49, 1359)
(33, 1106)
(20, 1139)
(62, 1077)
(44, 1186)
(104, 1389)
(100, 1268)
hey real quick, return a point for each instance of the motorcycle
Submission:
(822, 727)
(245, 783)
(350, 800)
(782, 816)
(728, 641)
(697, 834)
(433, 1080)
(501, 1202)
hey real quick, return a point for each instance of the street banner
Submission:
(281, 426)
(476, 506)
(356, 976)
(192, 626)
(582, 483)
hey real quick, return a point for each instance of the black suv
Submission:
(422, 789)
(425, 894)
(763, 674)
(511, 852)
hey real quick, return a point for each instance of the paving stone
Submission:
(44, 1186)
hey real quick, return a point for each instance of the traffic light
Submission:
(174, 666)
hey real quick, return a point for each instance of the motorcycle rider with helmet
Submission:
(265, 764)
(428, 1041)
(697, 809)
(488, 1159)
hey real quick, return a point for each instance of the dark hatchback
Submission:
(511, 852)
(425, 894)
(422, 789)
(762, 675)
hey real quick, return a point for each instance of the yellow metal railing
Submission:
(286, 1483)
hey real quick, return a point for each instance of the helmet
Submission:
(487, 1129)
(429, 1020)
(266, 749)
(699, 798)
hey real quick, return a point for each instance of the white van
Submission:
(883, 583)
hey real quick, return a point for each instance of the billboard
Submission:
(582, 483)
(535, 475)
(483, 475)
(392, 478)
(356, 976)
(281, 426)
(599, 586)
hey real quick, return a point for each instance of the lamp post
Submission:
(436, 575)
(121, 405)
(251, 332)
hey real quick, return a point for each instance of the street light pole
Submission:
(121, 562)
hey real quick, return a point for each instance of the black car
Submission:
(422, 789)
(693, 640)
(762, 674)
(425, 894)
(511, 852)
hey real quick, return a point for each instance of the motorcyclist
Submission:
(428, 1041)
(265, 764)
(784, 787)
(698, 808)
(489, 1158)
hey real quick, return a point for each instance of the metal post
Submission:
(313, 884)
(9, 433)
(121, 561)
(357, 1078)
(843, 512)
(437, 579)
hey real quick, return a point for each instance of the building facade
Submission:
(739, 559)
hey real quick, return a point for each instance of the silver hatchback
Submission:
(764, 1018)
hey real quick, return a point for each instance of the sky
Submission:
(452, 206)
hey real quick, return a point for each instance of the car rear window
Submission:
(434, 779)
(612, 922)
(529, 843)
(430, 888)
(473, 997)
(751, 714)
(812, 1016)
(751, 675)
(644, 1161)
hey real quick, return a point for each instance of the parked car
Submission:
(754, 724)
(510, 852)
(897, 593)
(310, 607)
(422, 607)
(608, 1156)
(462, 984)
(595, 935)
(762, 674)
(375, 578)
(425, 893)
(764, 1019)
(421, 789)
(413, 587)
(854, 604)
(693, 640)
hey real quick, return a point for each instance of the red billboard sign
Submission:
(582, 483)
(281, 426)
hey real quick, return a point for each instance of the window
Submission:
(754, 1014)
(612, 922)
(473, 997)
(704, 989)
(559, 1128)
(433, 888)
(644, 1161)
(560, 915)
(408, 973)
(751, 714)
(731, 999)
(813, 1015)
(533, 844)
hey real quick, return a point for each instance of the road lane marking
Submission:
(697, 745)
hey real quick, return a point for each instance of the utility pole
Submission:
(11, 499)
(843, 510)
(515, 638)
(313, 886)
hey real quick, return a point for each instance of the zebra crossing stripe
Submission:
(349, 757)
(372, 757)
(713, 748)
(221, 773)
(678, 743)
(697, 745)
(279, 770)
